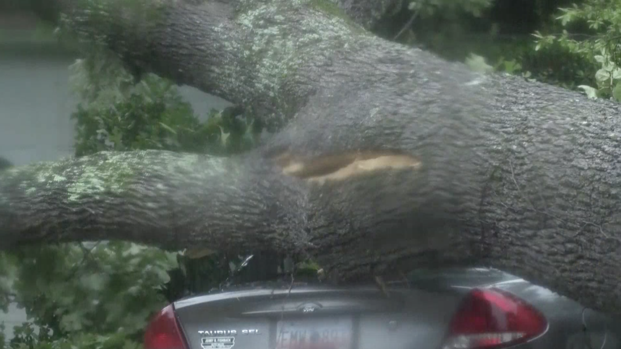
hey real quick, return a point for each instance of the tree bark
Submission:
(391, 158)
(164, 198)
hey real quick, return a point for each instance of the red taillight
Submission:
(163, 332)
(491, 318)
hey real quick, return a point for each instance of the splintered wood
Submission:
(340, 167)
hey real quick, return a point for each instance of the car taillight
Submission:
(491, 319)
(163, 331)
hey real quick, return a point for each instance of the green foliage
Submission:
(466, 29)
(28, 339)
(433, 22)
(118, 114)
(74, 289)
(449, 8)
(591, 32)
(556, 64)
(477, 63)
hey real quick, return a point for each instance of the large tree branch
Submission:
(262, 55)
(395, 159)
(232, 205)
(163, 198)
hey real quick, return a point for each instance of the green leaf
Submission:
(168, 128)
(94, 282)
(72, 322)
(590, 91)
(477, 63)
(602, 75)
(609, 66)
(224, 137)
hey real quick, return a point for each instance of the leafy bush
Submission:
(591, 32)
(73, 290)
(465, 29)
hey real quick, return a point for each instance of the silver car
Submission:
(448, 309)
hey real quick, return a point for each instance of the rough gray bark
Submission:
(391, 159)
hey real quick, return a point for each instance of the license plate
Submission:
(217, 342)
(328, 333)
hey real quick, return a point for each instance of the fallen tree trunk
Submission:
(391, 158)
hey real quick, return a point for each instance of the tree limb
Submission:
(262, 55)
(153, 197)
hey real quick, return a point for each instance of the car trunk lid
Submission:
(323, 317)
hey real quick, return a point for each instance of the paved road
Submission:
(35, 104)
